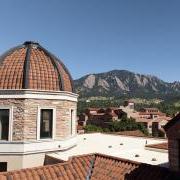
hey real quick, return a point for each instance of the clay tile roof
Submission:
(95, 167)
(30, 66)
(158, 146)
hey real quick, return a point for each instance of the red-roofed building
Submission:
(37, 106)
(153, 119)
(100, 116)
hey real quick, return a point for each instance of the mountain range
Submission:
(117, 83)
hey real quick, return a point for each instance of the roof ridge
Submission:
(54, 62)
(82, 155)
(91, 169)
(56, 59)
(119, 159)
(26, 67)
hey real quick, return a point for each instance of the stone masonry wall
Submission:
(18, 116)
(25, 113)
(63, 117)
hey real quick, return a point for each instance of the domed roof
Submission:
(30, 66)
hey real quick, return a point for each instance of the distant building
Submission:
(129, 104)
(151, 118)
(100, 116)
(151, 113)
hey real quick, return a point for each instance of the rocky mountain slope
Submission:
(124, 83)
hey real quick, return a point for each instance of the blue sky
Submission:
(92, 36)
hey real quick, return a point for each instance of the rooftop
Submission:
(128, 147)
(95, 167)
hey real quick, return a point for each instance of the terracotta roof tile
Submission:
(40, 70)
(95, 167)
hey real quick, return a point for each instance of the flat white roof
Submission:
(112, 145)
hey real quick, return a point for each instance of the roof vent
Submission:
(137, 155)
(154, 159)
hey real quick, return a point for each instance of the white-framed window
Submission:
(46, 123)
(72, 121)
(6, 123)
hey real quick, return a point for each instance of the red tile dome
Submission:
(30, 66)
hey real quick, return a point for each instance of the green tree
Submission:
(92, 128)
(127, 124)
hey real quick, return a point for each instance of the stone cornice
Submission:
(33, 94)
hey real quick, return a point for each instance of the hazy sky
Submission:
(92, 36)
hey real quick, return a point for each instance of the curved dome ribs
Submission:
(61, 82)
(56, 61)
(30, 66)
(67, 71)
(26, 68)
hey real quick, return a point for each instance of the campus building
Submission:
(152, 118)
(38, 128)
(37, 106)
(100, 116)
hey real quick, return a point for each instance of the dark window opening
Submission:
(4, 124)
(46, 123)
(3, 166)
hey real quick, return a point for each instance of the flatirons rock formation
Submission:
(122, 82)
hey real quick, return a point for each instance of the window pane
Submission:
(4, 124)
(46, 123)
(3, 166)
